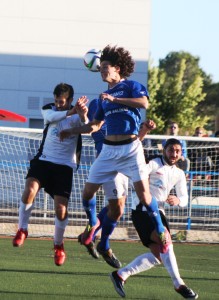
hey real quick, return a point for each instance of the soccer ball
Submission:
(92, 60)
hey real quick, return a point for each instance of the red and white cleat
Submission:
(19, 238)
(59, 256)
(87, 235)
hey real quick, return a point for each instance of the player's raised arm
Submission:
(141, 102)
(145, 128)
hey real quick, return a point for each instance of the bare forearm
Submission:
(141, 102)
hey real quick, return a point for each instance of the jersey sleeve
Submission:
(99, 114)
(181, 190)
(92, 108)
(50, 115)
(138, 90)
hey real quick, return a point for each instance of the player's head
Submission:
(116, 60)
(63, 96)
(172, 151)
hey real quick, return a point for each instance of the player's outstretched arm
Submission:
(91, 127)
(141, 102)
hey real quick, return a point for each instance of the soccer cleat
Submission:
(118, 283)
(19, 238)
(90, 248)
(87, 235)
(186, 292)
(59, 256)
(109, 257)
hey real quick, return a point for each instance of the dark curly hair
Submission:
(120, 57)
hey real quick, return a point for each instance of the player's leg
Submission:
(116, 191)
(144, 262)
(143, 192)
(136, 169)
(89, 203)
(91, 248)
(59, 187)
(31, 189)
(110, 220)
(168, 259)
(98, 174)
(61, 222)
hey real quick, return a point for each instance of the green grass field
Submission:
(29, 272)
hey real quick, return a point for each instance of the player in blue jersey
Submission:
(121, 180)
(99, 135)
(119, 106)
(53, 165)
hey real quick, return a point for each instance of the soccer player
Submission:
(119, 106)
(52, 167)
(99, 135)
(163, 176)
(122, 182)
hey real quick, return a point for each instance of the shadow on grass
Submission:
(98, 274)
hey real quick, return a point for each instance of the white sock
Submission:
(59, 230)
(141, 263)
(24, 215)
(170, 263)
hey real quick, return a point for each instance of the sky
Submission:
(186, 25)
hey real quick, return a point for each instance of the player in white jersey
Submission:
(52, 167)
(163, 176)
(119, 106)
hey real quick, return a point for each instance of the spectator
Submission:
(184, 162)
(200, 155)
(216, 134)
(199, 131)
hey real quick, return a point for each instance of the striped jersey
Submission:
(51, 148)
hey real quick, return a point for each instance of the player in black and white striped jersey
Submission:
(52, 167)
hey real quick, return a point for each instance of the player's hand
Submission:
(105, 96)
(172, 200)
(150, 125)
(81, 108)
(145, 128)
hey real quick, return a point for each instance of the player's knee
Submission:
(115, 212)
(61, 213)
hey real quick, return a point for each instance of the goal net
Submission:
(199, 221)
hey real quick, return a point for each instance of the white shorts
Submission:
(126, 159)
(117, 188)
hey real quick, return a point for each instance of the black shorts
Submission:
(144, 225)
(54, 178)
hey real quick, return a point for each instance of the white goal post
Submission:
(197, 222)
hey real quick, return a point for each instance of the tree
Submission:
(176, 88)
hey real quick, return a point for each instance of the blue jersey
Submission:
(120, 118)
(99, 135)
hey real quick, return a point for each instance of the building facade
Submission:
(42, 43)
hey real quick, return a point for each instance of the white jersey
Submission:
(162, 179)
(52, 149)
